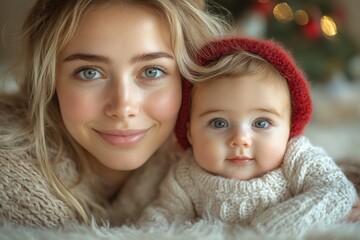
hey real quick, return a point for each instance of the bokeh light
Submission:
(283, 12)
(301, 17)
(328, 26)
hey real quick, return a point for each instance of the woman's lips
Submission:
(240, 160)
(123, 138)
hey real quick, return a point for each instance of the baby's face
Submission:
(239, 126)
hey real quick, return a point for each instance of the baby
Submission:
(248, 163)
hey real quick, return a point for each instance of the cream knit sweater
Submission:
(308, 188)
(27, 199)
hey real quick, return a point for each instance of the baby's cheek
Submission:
(208, 149)
(275, 152)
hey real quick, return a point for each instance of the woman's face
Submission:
(118, 85)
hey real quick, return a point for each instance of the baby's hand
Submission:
(354, 215)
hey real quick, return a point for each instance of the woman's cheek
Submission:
(165, 105)
(77, 107)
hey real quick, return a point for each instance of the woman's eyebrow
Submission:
(86, 57)
(100, 58)
(151, 56)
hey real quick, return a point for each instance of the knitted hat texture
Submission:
(272, 52)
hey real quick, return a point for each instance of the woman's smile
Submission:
(123, 138)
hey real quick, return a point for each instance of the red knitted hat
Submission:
(272, 52)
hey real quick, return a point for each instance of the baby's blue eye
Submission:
(219, 123)
(152, 72)
(89, 74)
(261, 123)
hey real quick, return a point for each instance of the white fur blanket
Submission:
(199, 230)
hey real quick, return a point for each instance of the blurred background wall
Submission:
(12, 14)
(322, 35)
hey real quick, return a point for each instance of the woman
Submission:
(100, 95)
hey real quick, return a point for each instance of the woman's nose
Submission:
(240, 139)
(123, 101)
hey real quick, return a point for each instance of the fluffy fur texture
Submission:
(199, 230)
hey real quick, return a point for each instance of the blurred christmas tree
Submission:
(313, 30)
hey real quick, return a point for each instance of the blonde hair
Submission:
(50, 25)
(234, 64)
(238, 64)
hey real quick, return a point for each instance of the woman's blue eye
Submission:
(152, 72)
(261, 123)
(219, 123)
(89, 74)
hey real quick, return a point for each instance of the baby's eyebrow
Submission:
(210, 111)
(269, 110)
